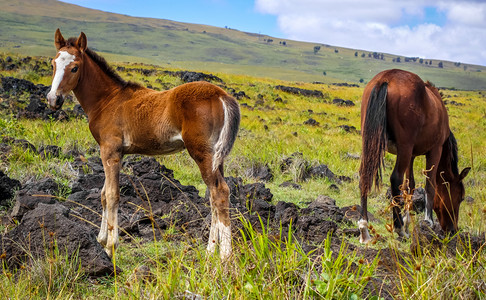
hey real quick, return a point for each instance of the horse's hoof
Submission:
(428, 223)
(364, 237)
(109, 252)
(364, 240)
(403, 236)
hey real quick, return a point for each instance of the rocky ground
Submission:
(34, 219)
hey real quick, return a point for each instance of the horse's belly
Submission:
(391, 147)
(156, 146)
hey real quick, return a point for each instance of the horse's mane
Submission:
(101, 62)
(450, 154)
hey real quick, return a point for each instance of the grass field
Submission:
(262, 268)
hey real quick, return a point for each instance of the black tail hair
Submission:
(374, 136)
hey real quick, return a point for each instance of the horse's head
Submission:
(448, 198)
(67, 66)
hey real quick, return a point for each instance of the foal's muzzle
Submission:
(55, 101)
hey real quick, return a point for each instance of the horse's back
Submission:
(415, 112)
(155, 122)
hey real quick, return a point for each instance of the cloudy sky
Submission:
(452, 30)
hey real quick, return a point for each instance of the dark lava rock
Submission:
(24, 144)
(296, 157)
(345, 84)
(322, 171)
(342, 102)
(334, 187)
(311, 122)
(418, 199)
(49, 226)
(45, 185)
(253, 198)
(49, 151)
(286, 213)
(26, 201)
(312, 228)
(151, 201)
(78, 112)
(8, 186)
(453, 102)
(260, 172)
(238, 95)
(324, 207)
(16, 86)
(348, 128)
(291, 185)
(189, 76)
(299, 91)
(353, 214)
(426, 239)
(36, 106)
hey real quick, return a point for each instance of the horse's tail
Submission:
(228, 133)
(374, 136)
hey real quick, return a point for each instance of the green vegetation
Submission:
(265, 266)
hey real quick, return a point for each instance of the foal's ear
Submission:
(59, 40)
(464, 173)
(82, 42)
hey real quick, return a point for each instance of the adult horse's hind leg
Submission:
(404, 156)
(110, 197)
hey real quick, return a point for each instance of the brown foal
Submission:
(126, 118)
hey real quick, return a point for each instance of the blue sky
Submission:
(452, 30)
(240, 15)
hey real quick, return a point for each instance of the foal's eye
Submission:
(75, 69)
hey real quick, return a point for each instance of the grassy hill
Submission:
(27, 27)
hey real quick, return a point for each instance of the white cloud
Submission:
(455, 32)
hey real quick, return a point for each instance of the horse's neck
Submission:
(444, 169)
(94, 89)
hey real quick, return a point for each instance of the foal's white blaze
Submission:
(62, 61)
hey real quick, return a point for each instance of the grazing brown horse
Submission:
(405, 116)
(126, 118)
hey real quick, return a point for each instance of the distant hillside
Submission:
(27, 27)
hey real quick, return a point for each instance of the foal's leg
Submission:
(432, 162)
(220, 219)
(220, 231)
(103, 234)
(110, 198)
